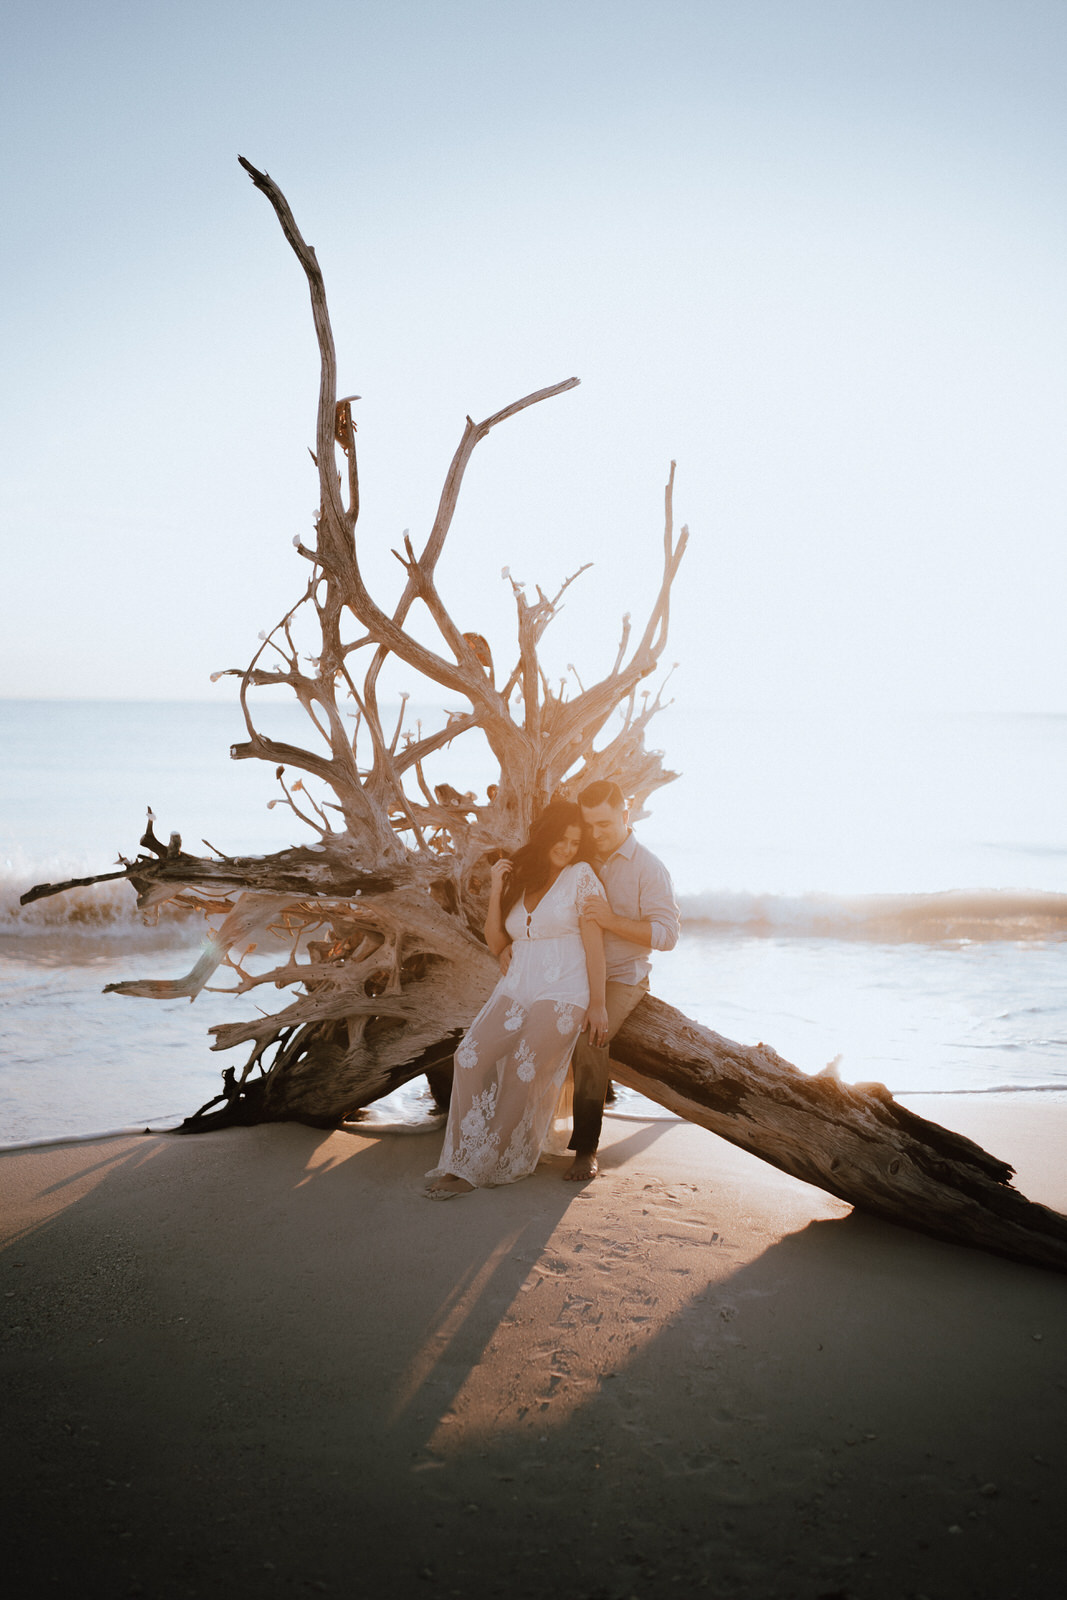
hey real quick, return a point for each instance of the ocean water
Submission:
(889, 892)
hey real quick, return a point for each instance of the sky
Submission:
(814, 250)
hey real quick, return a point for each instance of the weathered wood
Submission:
(379, 980)
(299, 871)
(853, 1140)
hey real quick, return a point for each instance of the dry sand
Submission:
(259, 1363)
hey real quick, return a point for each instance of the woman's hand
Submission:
(503, 960)
(596, 1022)
(497, 873)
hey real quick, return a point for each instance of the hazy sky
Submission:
(815, 250)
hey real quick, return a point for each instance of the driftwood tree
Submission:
(376, 921)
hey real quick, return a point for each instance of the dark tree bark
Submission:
(853, 1140)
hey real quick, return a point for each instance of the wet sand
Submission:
(259, 1363)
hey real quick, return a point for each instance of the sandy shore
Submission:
(259, 1363)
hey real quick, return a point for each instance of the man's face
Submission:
(606, 827)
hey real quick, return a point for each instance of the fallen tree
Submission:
(375, 925)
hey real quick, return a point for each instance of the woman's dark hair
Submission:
(529, 864)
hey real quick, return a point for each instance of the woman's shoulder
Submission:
(578, 870)
(584, 879)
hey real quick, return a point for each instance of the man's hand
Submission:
(597, 910)
(635, 930)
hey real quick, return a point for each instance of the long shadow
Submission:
(857, 1412)
(634, 1144)
(213, 1353)
(293, 1375)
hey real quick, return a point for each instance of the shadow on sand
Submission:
(259, 1363)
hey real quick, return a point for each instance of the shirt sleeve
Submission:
(657, 903)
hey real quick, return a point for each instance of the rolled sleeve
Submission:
(660, 907)
(664, 934)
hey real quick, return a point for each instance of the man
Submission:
(640, 915)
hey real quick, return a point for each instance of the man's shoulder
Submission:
(644, 857)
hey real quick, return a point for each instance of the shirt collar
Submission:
(626, 849)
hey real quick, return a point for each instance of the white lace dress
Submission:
(514, 1057)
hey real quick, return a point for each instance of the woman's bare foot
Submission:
(581, 1169)
(447, 1187)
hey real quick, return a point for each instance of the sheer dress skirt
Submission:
(510, 1069)
(512, 1064)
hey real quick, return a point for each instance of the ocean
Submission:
(885, 891)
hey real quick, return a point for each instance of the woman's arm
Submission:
(495, 934)
(596, 1017)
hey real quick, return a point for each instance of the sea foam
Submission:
(953, 915)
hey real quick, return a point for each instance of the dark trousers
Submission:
(591, 1068)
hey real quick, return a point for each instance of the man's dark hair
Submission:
(603, 793)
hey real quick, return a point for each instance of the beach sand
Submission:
(259, 1363)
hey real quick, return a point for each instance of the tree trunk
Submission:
(853, 1140)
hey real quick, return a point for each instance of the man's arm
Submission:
(635, 930)
(658, 926)
(658, 905)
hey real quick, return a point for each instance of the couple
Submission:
(574, 950)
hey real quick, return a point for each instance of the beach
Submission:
(311, 618)
(258, 1362)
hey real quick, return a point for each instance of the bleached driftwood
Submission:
(375, 924)
(853, 1140)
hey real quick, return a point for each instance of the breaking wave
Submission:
(108, 912)
(100, 911)
(953, 915)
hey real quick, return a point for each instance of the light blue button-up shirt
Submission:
(638, 886)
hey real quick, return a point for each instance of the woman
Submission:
(513, 1060)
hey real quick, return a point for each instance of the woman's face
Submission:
(563, 852)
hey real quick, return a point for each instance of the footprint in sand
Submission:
(578, 1312)
(554, 1267)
